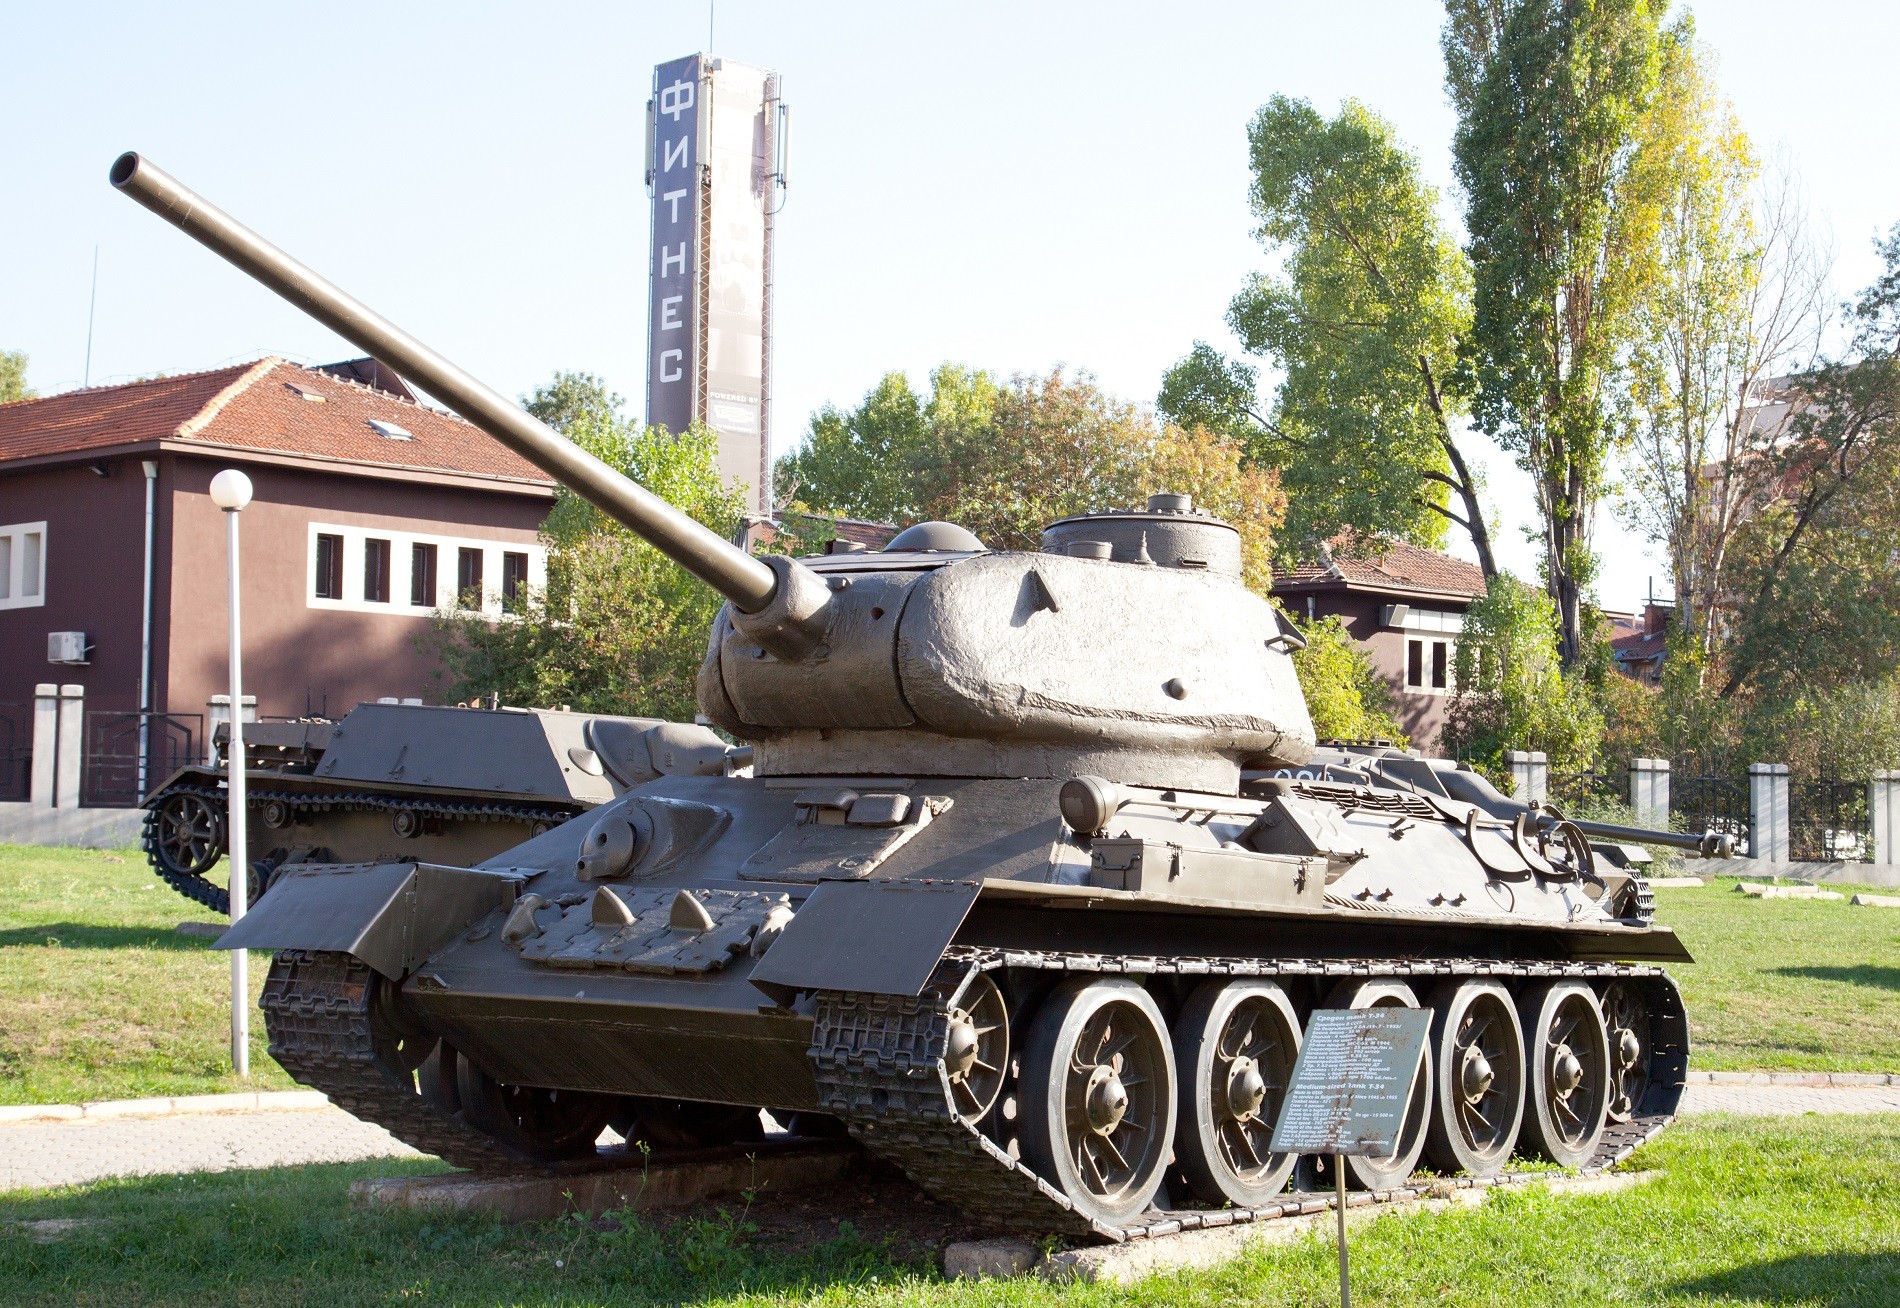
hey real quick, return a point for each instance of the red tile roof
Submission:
(271, 406)
(1639, 648)
(1401, 566)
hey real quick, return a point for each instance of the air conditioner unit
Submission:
(67, 647)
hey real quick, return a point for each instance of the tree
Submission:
(1554, 99)
(1365, 320)
(1738, 298)
(620, 628)
(1347, 697)
(1007, 459)
(13, 377)
(1512, 688)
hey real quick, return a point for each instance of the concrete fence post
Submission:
(1530, 774)
(72, 745)
(1768, 812)
(1649, 792)
(1883, 808)
(45, 743)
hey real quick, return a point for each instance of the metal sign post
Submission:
(1349, 1092)
(231, 491)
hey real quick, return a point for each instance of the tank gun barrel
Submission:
(741, 578)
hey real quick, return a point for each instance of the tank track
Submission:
(316, 1008)
(877, 1060)
(201, 889)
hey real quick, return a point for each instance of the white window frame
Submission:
(1425, 666)
(16, 580)
(1433, 620)
(401, 563)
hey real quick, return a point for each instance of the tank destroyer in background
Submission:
(409, 782)
(1037, 879)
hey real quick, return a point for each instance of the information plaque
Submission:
(1353, 1081)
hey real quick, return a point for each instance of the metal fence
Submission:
(1710, 803)
(110, 776)
(1570, 790)
(16, 752)
(1828, 821)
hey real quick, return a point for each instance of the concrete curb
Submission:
(182, 1105)
(1812, 1080)
(1124, 1264)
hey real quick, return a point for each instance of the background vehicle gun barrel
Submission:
(1709, 844)
(744, 580)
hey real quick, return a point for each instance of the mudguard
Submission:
(879, 936)
(392, 916)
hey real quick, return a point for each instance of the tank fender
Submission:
(391, 916)
(885, 937)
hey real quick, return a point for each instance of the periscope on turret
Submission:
(1038, 877)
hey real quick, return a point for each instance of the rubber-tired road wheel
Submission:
(1477, 1053)
(1373, 1173)
(1568, 1053)
(1235, 1043)
(1098, 1096)
(541, 1125)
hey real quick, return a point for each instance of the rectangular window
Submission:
(514, 581)
(30, 565)
(1441, 665)
(329, 567)
(1414, 665)
(376, 570)
(22, 565)
(6, 567)
(422, 576)
(468, 578)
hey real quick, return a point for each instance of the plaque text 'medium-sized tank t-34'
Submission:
(1037, 879)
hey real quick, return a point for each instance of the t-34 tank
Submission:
(1013, 892)
(407, 783)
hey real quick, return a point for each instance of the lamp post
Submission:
(231, 491)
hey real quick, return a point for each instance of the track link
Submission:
(878, 1063)
(201, 889)
(317, 1010)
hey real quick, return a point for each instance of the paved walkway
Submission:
(51, 1153)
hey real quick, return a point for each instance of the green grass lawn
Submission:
(100, 998)
(1787, 984)
(1784, 1212)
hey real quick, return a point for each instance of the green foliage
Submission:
(1348, 699)
(13, 377)
(1007, 459)
(1553, 102)
(1512, 691)
(1364, 319)
(620, 627)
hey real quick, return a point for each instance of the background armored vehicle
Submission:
(1013, 892)
(404, 782)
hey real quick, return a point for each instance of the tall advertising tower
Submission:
(716, 138)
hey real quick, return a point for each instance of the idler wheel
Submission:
(190, 834)
(1626, 1021)
(535, 1123)
(976, 1046)
(1098, 1096)
(1568, 1052)
(1380, 1173)
(1477, 1048)
(1235, 1043)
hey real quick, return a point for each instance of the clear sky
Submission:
(1015, 186)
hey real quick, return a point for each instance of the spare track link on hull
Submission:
(316, 1007)
(878, 1063)
(202, 890)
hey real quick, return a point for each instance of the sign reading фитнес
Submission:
(673, 310)
(1353, 1081)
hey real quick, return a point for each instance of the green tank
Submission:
(1036, 881)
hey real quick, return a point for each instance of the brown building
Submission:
(370, 512)
(1405, 608)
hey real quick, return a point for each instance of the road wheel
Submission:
(1098, 1096)
(1367, 1172)
(540, 1125)
(1477, 1050)
(1234, 1047)
(1568, 1053)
